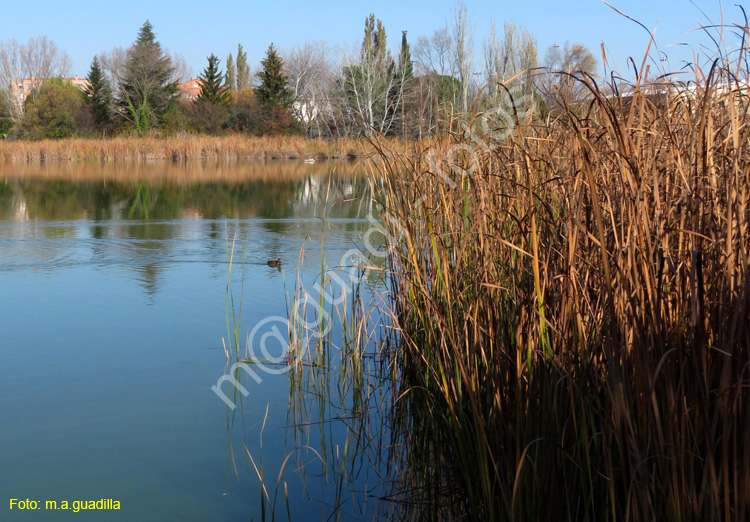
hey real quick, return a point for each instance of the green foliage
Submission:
(6, 122)
(273, 90)
(98, 96)
(55, 110)
(213, 88)
(231, 76)
(374, 43)
(243, 70)
(146, 94)
(405, 65)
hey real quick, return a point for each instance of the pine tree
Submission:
(274, 88)
(213, 88)
(98, 96)
(146, 94)
(243, 71)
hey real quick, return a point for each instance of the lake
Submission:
(116, 308)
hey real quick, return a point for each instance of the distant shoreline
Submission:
(184, 148)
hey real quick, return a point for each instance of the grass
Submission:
(573, 300)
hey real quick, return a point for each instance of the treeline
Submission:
(307, 90)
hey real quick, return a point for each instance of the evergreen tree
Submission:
(274, 88)
(405, 65)
(231, 76)
(98, 96)
(243, 71)
(146, 94)
(213, 88)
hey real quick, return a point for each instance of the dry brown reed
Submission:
(574, 306)
(182, 148)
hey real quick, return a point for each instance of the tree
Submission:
(54, 110)
(231, 76)
(38, 59)
(210, 110)
(146, 93)
(312, 81)
(213, 88)
(564, 70)
(274, 84)
(243, 70)
(273, 95)
(370, 86)
(463, 52)
(405, 65)
(98, 96)
(513, 55)
(433, 55)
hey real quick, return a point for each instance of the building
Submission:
(23, 88)
(190, 89)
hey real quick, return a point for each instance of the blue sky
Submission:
(195, 29)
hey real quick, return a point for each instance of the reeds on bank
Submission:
(573, 297)
(180, 148)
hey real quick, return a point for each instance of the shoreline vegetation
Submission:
(184, 148)
(573, 303)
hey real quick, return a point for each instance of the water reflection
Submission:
(146, 218)
(275, 190)
(113, 303)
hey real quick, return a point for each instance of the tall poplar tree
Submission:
(231, 75)
(243, 70)
(146, 94)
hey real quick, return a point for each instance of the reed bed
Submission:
(180, 148)
(573, 299)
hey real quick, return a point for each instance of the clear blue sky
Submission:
(195, 29)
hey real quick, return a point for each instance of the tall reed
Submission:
(573, 300)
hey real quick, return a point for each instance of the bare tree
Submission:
(311, 80)
(463, 52)
(181, 72)
(113, 65)
(433, 55)
(42, 59)
(38, 59)
(11, 71)
(563, 70)
(505, 58)
(371, 85)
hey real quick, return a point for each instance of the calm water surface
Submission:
(112, 313)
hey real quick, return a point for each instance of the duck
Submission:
(276, 263)
(308, 160)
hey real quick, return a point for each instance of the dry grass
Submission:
(181, 149)
(574, 305)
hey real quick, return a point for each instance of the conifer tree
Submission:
(146, 94)
(274, 88)
(405, 65)
(213, 88)
(98, 96)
